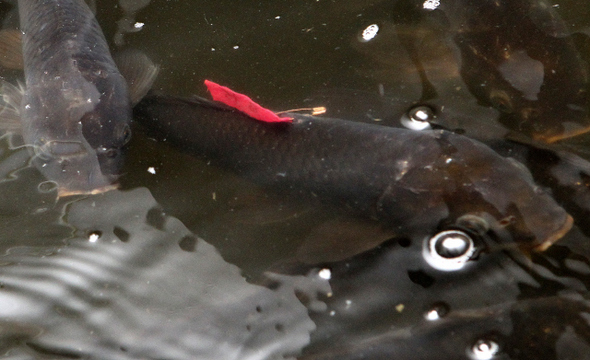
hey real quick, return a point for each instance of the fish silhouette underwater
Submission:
(403, 182)
(74, 112)
(517, 57)
(388, 304)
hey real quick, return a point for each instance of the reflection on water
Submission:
(132, 282)
(124, 275)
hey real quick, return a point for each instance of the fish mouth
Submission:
(65, 192)
(565, 228)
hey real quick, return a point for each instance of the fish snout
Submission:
(556, 234)
(73, 166)
(535, 229)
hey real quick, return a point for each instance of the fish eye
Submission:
(449, 250)
(501, 101)
(123, 133)
(418, 118)
(47, 186)
(126, 134)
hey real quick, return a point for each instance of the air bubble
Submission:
(449, 250)
(484, 349)
(93, 236)
(418, 118)
(325, 274)
(437, 311)
(369, 33)
(431, 4)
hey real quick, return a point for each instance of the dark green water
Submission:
(182, 250)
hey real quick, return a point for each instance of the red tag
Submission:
(242, 103)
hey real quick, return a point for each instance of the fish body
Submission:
(515, 56)
(528, 306)
(525, 329)
(519, 57)
(411, 182)
(75, 110)
(552, 165)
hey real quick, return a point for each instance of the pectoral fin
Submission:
(139, 71)
(11, 51)
(11, 98)
(341, 238)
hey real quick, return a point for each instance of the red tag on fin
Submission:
(242, 103)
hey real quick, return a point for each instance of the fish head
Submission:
(501, 193)
(539, 90)
(78, 137)
(555, 115)
(72, 165)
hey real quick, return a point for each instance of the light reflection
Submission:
(325, 274)
(370, 32)
(448, 250)
(484, 350)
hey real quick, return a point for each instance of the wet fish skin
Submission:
(76, 108)
(542, 328)
(553, 166)
(411, 182)
(567, 174)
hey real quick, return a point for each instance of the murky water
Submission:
(188, 261)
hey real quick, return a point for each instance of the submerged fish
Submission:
(525, 307)
(412, 183)
(545, 328)
(560, 167)
(75, 112)
(516, 56)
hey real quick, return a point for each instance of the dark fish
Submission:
(75, 112)
(554, 166)
(412, 183)
(546, 328)
(516, 56)
(567, 174)
(387, 303)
